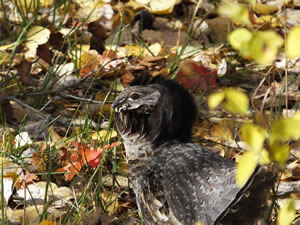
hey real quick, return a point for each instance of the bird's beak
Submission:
(115, 104)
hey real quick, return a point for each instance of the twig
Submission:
(81, 99)
(25, 105)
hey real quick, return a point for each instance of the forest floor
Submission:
(63, 63)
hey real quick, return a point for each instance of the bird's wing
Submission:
(199, 185)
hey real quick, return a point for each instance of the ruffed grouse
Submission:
(177, 182)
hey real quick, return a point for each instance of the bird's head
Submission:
(137, 99)
(160, 111)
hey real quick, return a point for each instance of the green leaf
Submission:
(237, 12)
(215, 99)
(263, 46)
(254, 136)
(287, 213)
(239, 40)
(236, 101)
(286, 129)
(280, 152)
(293, 43)
(245, 167)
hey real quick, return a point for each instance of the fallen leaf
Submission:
(264, 9)
(48, 222)
(162, 7)
(110, 201)
(36, 36)
(29, 178)
(196, 77)
(94, 158)
(24, 70)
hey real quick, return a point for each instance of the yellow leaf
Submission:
(264, 9)
(215, 99)
(134, 50)
(104, 133)
(239, 40)
(26, 6)
(136, 5)
(287, 213)
(286, 129)
(254, 136)
(272, 20)
(4, 57)
(88, 58)
(222, 131)
(263, 46)
(237, 12)
(38, 34)
(155, 49)
(48, 222)
(264, 157)
(293, 43)
(110, 201)
(245, 167)
(46, 3)
(198, 223)
(162, 6)
(280, 152)
(144, 2)
(251, 3)
(236, 101)
(7, 47)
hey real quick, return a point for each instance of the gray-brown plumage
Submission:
(177, 182)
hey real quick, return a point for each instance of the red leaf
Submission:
(74, 160)
(64, 154)
(115, 144)
(196, 77)
(94, 158)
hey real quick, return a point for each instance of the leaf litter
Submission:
(63, 63)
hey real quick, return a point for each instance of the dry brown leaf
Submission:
(24, 70)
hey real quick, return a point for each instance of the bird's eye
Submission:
(134, 95)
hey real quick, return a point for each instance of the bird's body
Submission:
(176, 182)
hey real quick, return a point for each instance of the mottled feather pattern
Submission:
(177, 182)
